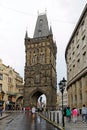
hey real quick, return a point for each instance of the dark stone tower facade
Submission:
(40, 66)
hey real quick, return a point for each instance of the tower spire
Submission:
(50, 31)
(26, 34)
(42, 28)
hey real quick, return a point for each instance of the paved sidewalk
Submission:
(79, 125)
(4, 115)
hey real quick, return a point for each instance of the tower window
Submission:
(41, 21)
(1, 76)
(39, 32)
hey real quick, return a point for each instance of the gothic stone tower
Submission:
(40, 66)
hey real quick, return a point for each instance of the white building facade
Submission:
(76, 60)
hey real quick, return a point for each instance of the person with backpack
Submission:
(68, 114)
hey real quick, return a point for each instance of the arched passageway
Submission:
(19, 103)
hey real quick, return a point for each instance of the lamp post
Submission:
(62, 85)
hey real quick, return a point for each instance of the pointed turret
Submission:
(50, 32)
(42, 28)
(26, 34)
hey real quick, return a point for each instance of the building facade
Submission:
(11, 88)
(40, 66)
(76, 60)
(59, 99)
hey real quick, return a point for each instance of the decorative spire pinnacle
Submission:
(45, 11)
(26, 34)
(50, 31)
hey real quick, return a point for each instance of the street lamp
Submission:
(62, 85)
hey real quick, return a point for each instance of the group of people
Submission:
(71, 113)
(74, 113)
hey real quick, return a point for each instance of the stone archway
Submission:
(35, 93)
(34, 96)
(19, 103)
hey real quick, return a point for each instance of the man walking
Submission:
(84, 112)
(1, 110)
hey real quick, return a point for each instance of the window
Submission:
(84, 58)
(0, 87)
(84, 41)
(74, 69)
(39, 33)
(37, 78)
(20, 90)
(77, 36)
(1, 76)
(42, 58)
(83, 26)
(78, 46)
(41, 21)
(78, 50)
(9, 79)
(78, 63)
(73, 53)
(34, 59)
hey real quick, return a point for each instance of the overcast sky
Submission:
(17, 16)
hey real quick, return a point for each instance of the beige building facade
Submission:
(76, 60)
(59, 99)
(11, 88)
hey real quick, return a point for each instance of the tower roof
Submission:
(42, 28)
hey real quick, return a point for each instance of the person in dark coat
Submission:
(1, 110)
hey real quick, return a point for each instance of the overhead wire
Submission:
(26, 13)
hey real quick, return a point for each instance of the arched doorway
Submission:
(19, 103)
(35, 98)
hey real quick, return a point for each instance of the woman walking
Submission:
(68, 114)
(74, 114)
(33, 112)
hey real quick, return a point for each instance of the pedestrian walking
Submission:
(1, 110)
(24, 109)
(68, 114)
(84, 113)
(74, 114)
(33, 110)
